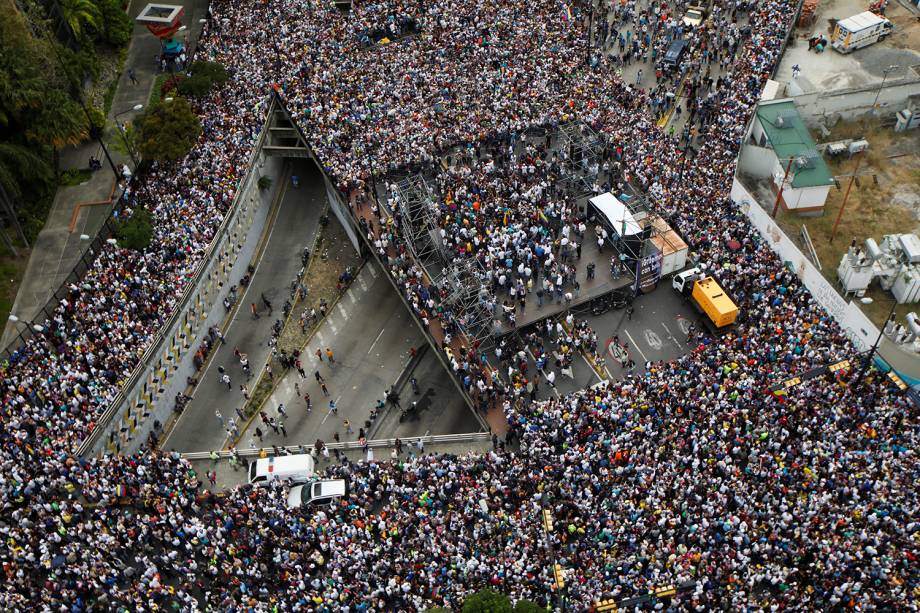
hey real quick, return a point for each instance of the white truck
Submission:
(859, 31)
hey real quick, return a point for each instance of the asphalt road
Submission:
(198, 429)
(370, 334)
(439, 410)
(657, 330)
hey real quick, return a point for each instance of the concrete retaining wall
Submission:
(163, 371)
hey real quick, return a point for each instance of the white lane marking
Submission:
(329, 412)
(684, 324)
(362, 283)
(373, 270)
(351, 296)
(671, 336)
(636, 345)
(332, 325)
(375, 341)
(653, 340)
(341, 311)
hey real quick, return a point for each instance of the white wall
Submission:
(857, 326)
(855, 102)
(805, 197)
(757, 161)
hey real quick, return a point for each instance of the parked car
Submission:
(317, 493)
(694, 16)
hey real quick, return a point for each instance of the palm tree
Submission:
(18, 164)
(80, 14)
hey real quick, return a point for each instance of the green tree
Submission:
(528, 606)
(437, 610)
(116, 26)
(83, 16)
(487, 601)
(204, 76)
(167, 131)
(136, 232)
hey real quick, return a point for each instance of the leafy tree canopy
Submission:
(167, 131)
(487, 601)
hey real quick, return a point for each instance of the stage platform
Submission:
(603, 283)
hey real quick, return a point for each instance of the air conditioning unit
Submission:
(858, 146)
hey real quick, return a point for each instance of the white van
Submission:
(859, 31)
(317, 493)
(297, 468)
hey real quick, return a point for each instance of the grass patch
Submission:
(75, 176)
(155, 91)
(11, 272)
(321, 278)
(873, 210)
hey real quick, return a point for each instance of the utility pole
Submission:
(782, 185)
(846, 196)
(865, 368)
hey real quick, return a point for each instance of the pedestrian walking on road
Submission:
(273, 424)
(281, 411)
(283, 429)
(330, 356)
(420, 445)
(398, 444)
(297, 389)
(347, 425)
(267, 304)
(254, 310)
(325, 389)
(299, 366)
(244, 391)
(220, 417)
(212, 477)
(306, 398)
(332, 408)
(319, 354)
(319, 377)
(629, 312)
(225, 379)
(239, 413)
(132, 76)
(259, 433)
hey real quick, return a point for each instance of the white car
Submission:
(316, 493)
(694, 16)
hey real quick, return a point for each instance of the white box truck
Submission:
(859, 31)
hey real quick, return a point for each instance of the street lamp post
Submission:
(26, 323)
(124, 135)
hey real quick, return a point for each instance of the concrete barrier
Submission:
(162, 372)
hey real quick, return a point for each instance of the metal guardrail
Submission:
(435, 439)
(159, 338)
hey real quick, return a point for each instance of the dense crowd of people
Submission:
(690, 471)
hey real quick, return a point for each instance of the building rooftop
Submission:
(791, 139)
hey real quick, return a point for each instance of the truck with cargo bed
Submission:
(718, 310)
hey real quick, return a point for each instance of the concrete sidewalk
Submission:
(59, 246)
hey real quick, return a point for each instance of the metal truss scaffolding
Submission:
(582, 151)
(418, 216)
(468, 298)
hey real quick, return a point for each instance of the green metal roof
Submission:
(790, 139)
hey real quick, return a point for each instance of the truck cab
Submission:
(682, 282)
